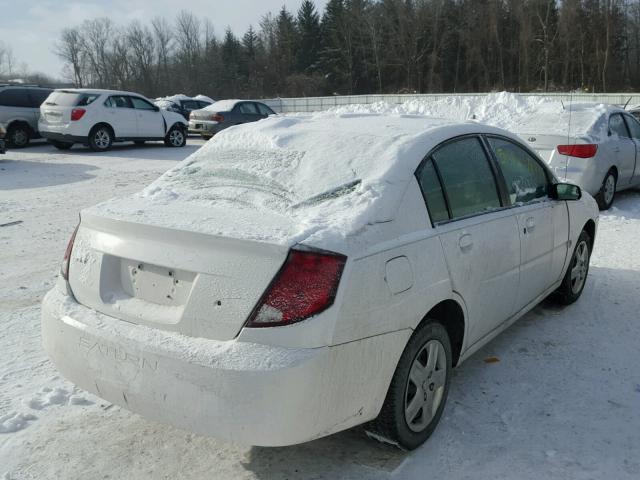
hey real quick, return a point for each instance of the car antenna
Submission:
(625, 105)
(562, 103)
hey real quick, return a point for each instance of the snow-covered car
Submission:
(226, 113)
(594, 146)
(299, 276)
(3, 132)
(98, 118)
(183, 104)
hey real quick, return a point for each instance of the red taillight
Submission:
(64, 269)
(305, 286)
(77, 113)
(217, 118)
(586, 150)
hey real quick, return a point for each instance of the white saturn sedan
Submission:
(98, 118)
(595, 146)
(301, 275)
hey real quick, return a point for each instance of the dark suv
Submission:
(183, 106)
(19, 112)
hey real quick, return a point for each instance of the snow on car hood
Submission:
(315, 179)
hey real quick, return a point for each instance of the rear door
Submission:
(479, 237)
(543, 223)
(121, 116)
(150, 122)
(18, 105)
(622, 147)
(634, 129)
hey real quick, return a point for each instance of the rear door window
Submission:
(526, 179)
(468, 181)
(190, 105)
(15, 97)
(617, 126)
(118, 101)
(248, 108)
(634, 126)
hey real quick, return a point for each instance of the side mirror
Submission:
(565, 191)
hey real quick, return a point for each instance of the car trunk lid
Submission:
(197, 284)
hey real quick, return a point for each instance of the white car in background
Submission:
(595, 146)
(98, 118)
(299, 276)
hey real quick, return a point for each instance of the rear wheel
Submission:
(100, 139)
(418, 390)
(176, 137)
(18, 136)
(61, 145)
(608, 191)
(576, 277)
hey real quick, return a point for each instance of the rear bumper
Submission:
(239, 391)
(63, 137)
(204, 127)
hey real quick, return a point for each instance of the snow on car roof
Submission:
(204, 98)
(222, 105)
(318, 178)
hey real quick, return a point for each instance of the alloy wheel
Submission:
(579, 266)
(425, 385)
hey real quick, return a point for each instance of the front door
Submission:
(528, 185)
(148, 118)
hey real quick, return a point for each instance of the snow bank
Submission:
(516, 113)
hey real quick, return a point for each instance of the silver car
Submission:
(594, 146)
(20, 111)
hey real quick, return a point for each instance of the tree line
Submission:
(368, 46)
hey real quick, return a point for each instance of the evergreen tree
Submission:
(308, 24)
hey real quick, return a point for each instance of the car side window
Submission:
(634, 126)
(140, 104)
(264, 110)
(37, 97)
(617, 126)
(15, 97)
(432, 192)
(248, 108)
(118, 102)
(526, 179)
(467, 178)
(202, 104)
(190, 105)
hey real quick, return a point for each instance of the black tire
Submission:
(605, 196)
(18, 136)
(392, 425)
(176, 137)
(100, 138)
(569, 291)
(61, 145)
(139, 142)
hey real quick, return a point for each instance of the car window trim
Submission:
(131, 97)
(548, 174)
(492, 167)
(417, 173)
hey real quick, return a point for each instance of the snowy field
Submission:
(555, 396)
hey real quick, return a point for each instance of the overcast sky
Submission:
(31, 27)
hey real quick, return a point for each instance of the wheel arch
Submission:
(103, 124)
(450, 314)
(590, 228)
(21, 122)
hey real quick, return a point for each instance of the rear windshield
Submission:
(70, 99)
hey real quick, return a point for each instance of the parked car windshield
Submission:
(70, 99)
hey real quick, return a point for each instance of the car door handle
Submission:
(465, 242)
(529, 224)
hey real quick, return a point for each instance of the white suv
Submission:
(99, 118)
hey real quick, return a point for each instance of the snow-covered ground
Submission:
(555, 396)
